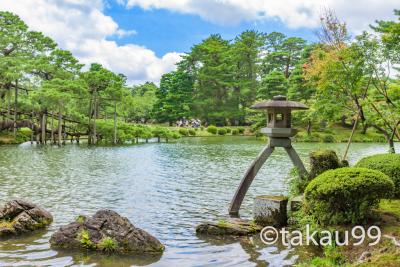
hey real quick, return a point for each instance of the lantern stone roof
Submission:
(279, 101)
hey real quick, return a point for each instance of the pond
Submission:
(165, 189)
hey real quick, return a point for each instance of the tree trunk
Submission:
(391, 146)
(364, 128)
(309, 127)
(43, 127)
(59, 128)
(52, 141)
(64, 128)
(90, 121)
(389, 138)
(115, 124)
(15, 108)
(32, 128)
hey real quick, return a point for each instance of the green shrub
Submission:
(212, 129)
(389, 164)
(241, 130)
(228, 130)
(192, 132)
(346, 195)
(221, 131)
(108, 245)
(84, 239)
(258, 134)
(235, 132)
(202, 128)
(175, 135)
(184, 131)
(328, 138)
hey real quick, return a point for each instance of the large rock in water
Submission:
(19, 216)
(106, 231)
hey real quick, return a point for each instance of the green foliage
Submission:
(128, 132)
(273, 84)
(84, 239)
(328, 138)
(184, 131)
(107, 244)
(228, 130)
(235, 131)
(80, 219)
(221, 131)
(389, 164)
(346, 195)
(241, 130)
(192, 132)
(174, 97)
(212, 129)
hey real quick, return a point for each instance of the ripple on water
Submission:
(166, 189)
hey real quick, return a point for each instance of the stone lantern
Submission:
(279, 130)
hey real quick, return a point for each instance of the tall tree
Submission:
(174, 97)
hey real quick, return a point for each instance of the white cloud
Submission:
(293, 13)
(81, 27)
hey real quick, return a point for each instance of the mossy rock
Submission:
(389, 164)
(229, 227)
(19, 216)
(105, 231)
(323, 160)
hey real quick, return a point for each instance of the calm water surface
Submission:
(165, 189)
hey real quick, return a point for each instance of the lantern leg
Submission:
(296, 161)
(248, 179)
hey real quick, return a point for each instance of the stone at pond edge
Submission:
(232, 226)
(19, 216)
(270, 210)
(106, 231)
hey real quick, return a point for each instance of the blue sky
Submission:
(144, 39)
(163, 31)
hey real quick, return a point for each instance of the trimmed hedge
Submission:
(192, 132)
(183, 131)
(346, 195)
(222, 131)
(212, 129)
(389, 164)
(235, 132)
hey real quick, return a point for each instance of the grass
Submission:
(84, 239)
(108, 245)
(338, 134)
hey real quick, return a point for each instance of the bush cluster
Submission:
(192, 132)
(241, 130)
(346, 195)
(212, 129)
(183, 131)
(222, 131)
(389, 164)
(129, 132)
